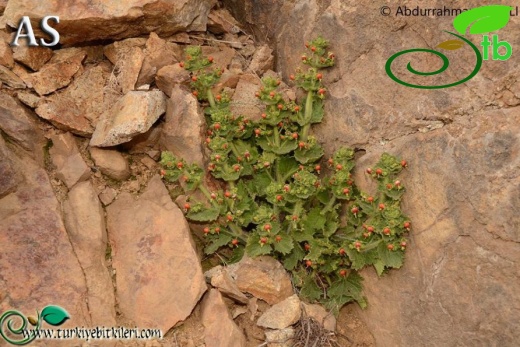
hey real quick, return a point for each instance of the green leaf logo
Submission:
(484, 19)
(54, 315)
(451, 45)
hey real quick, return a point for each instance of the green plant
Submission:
(277, 199)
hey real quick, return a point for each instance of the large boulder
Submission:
(158, 273)
(458, 284)
(98, 20)
(38, 264)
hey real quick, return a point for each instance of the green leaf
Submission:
(236, 256)
(451, 45)
(309, 155)
(54, 315)
(296, 255)
(254, 248)
(217, 242)
(286, 167)
(285, 147)
(390, 258)
(314, 220)
(380, 267)
(310, 289)
(349, 287)
(485, 19)
(317, 111)
(206, 215)
(261, 181)
(285, 245)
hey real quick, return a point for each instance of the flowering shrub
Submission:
(281, 198)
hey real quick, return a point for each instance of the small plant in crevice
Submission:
(281, 198)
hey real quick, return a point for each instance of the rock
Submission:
(158, 54)
(220, 21)
(224, 283)
(221, 57)
(70, 166)
(263, 277)
(320, 315)
(133, 114)
(9, 178)
(57, 74)
(148, 162)
(219, 328)
(183, 127)
(23, 73)
(20, 125)
(244, 101)
(227, 80)
(282, 314)
(32, 57)
(262, 61)
(96, 21)
(169, 76)
(350, 324)
(159, 278)
(85, 224)
(280, 338)
(111, 163)
(6, 54)
(79, 107)
(28, 98)
(10, 78)
(143, 143)
(116, 49)
(38, 264)
(128, 65)
(107, 196)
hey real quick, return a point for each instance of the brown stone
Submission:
(56, 75)
(9, 178)
(183, 126)
(262, 61)
(20, 125)
(97, 20)
(227, 80)
(79, 107)
(107, 196)
(115, 50)
(169, 76)
(143, 143)
(28, 98)
(320, 315)
(159, 278)
(10, 78)
(223, 281)
(219, 328)
(157, 54)
(38, 264)
(133, 114)
(244, 101)
(280, 337)
(222, 56)
(111, 163)
(70, 166)
(32, 57)
(6, 54)
(263, 277)
(220, 21)
(85, 224)
(282, 314)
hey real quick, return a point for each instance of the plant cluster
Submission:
(281, 198)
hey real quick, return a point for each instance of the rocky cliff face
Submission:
(87, 224)
(462, 143)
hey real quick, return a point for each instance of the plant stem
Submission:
(329, 205)
(238, 232)
(206, 193)
(308, 115)
(211, 99)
